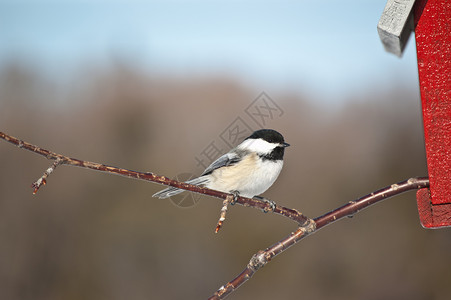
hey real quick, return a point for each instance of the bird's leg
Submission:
(272, 204)
(235, 194)
(230, 199)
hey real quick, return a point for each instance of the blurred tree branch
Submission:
(306, 226)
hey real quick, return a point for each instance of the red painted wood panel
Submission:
(433, 40)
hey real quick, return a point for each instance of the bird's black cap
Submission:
(269, 135)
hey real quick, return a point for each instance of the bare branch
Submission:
(261, 258)
(65, 160)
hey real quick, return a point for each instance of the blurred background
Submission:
(161, 86)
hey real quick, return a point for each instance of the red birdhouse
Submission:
(431, 21)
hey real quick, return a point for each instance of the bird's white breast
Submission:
(250, 177)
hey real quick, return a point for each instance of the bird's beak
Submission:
(285, 145)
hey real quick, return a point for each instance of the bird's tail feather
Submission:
(172, 191)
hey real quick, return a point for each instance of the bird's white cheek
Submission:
(258, 146)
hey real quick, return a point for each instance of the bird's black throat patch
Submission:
(276, 154)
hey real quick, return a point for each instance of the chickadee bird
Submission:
(248, 170)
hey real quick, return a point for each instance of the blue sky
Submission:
(326, 48)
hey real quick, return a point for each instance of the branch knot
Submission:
(308, 227)
(258, 260)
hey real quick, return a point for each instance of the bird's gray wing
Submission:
(227, 159)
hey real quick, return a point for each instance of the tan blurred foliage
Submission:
(88, 235)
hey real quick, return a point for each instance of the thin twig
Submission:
(292, 214)
(42, 180)
(261, 258)
(222, 216)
